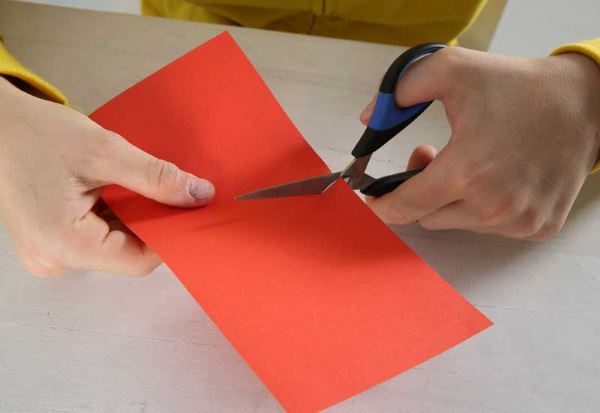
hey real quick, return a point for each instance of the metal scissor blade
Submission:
(309, 186)
(353, 173)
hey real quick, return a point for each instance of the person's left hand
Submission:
(54, 163)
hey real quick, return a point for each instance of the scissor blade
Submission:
(355, 171)
(309, 186)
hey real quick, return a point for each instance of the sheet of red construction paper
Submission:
(320, 298)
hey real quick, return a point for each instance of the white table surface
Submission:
(95, 342)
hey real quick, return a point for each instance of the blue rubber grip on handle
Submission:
(387, 114)
(388, 119)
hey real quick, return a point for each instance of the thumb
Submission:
(154, 178)
(426, 79)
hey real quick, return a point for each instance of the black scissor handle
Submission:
(388, 119)
(388, 183)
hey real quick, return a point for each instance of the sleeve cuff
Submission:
(10, 67)
(589, 48)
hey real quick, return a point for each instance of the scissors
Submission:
(388, 119)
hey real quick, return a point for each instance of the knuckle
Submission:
(554, 226)
(49, 258)
(490, 216)
(532, 222)
(500, 206)
(398, 214)
(452, 59)
(85, 231)
(529, 224)
(143, 269)
(39, 270)
(41, 261)
(549, 230)
(161, 173)
(36, 269)
(31, 265)
(494, 212)
(80, 241)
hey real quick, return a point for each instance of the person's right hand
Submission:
(525, 132)
(54, 162)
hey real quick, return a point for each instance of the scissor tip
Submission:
(245, 197)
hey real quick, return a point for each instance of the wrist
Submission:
(5, 89)
(580, 77)
(4, 83)
(7, 86)
(11, 84)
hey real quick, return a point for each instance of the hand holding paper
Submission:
(53, 171)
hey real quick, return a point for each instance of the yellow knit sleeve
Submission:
(9, 66)
(590, 48)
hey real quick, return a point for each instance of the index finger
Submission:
(419, 196)
(112, 249)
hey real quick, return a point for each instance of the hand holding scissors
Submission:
(388, 119)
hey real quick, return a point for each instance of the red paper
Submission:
(320, 298)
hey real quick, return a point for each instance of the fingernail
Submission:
(201, 189)
(367, 111)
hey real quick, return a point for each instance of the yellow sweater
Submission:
(9, 66)
(402, 22)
